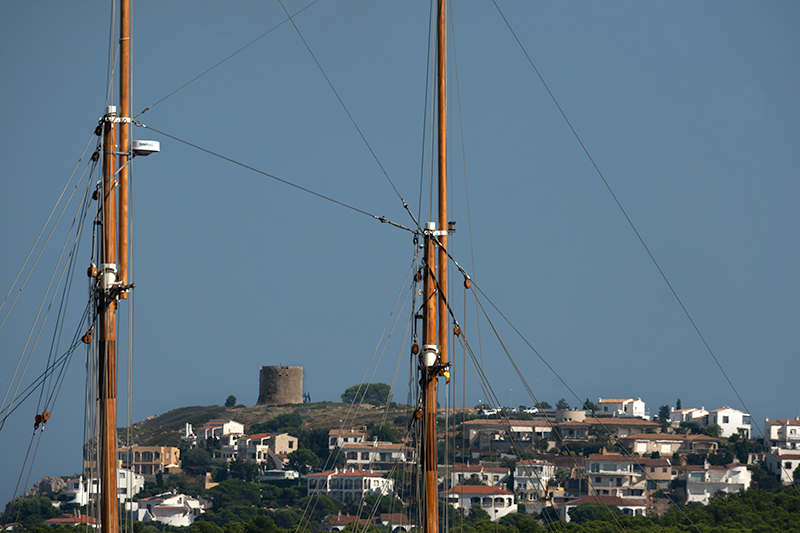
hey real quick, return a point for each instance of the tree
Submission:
(561, 475)
(302, 460)
(383, 432)
(285, 423)
(234, 491)
(586, 512)
(545, 405)
(31, 511)
(663, 415)
(590, 406)
(231, 401)
(562, 404)
(678, 405)
(375, 392)
(244, 470)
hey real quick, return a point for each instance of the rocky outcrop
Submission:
(46, 486)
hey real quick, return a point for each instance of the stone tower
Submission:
(278, 385)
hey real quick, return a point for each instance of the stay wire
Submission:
(466, 187)
(79, 223)
(519, 373)
(425, 113)
(491, 395)
(350, 116)
(38, 238)
(356, 404)
(581, 471)
(30, 389)
(38, 314)
(151, 106)
(628, 219)
(528, 388)
(381, 219)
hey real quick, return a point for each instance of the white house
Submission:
(622, 407)
(349, 485)
(782, 463)
(488, 475)
(486, 434)
(495, 501)
(80, 490)
(629, 507)
(340, 437)
(705, 481)
(374, 454)
(614, 475)
(215, 429)
(171, 508)
(690, 414)
(531, 477)
(783, 433)
(732, 421)
(261, 448)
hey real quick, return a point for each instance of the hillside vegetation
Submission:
(166, 429)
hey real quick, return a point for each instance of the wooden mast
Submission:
(434, 354)
(115, 254)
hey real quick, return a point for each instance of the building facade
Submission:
(349, 484)
(495, 501)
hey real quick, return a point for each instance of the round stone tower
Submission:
(278, 385)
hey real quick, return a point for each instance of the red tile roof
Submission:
(394, 518)
(66, 519)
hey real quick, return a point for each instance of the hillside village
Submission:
(542, 462)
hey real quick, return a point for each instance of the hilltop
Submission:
(166, 429)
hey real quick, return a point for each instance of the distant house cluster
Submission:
(633, 464)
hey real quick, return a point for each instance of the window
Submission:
(725, 419)
(597, 480)
(291, 445)
(364, 456)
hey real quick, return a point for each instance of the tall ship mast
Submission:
(113, 282)
(434, 357)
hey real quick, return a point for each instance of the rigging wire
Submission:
(350, 116)
(491, 394)
(151, 106)
(38, 238)
(276, 178)
(355, 405)
(630, 222)
(44, 300)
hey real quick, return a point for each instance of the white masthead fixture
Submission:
(145, 147)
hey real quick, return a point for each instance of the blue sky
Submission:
(689, 110)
